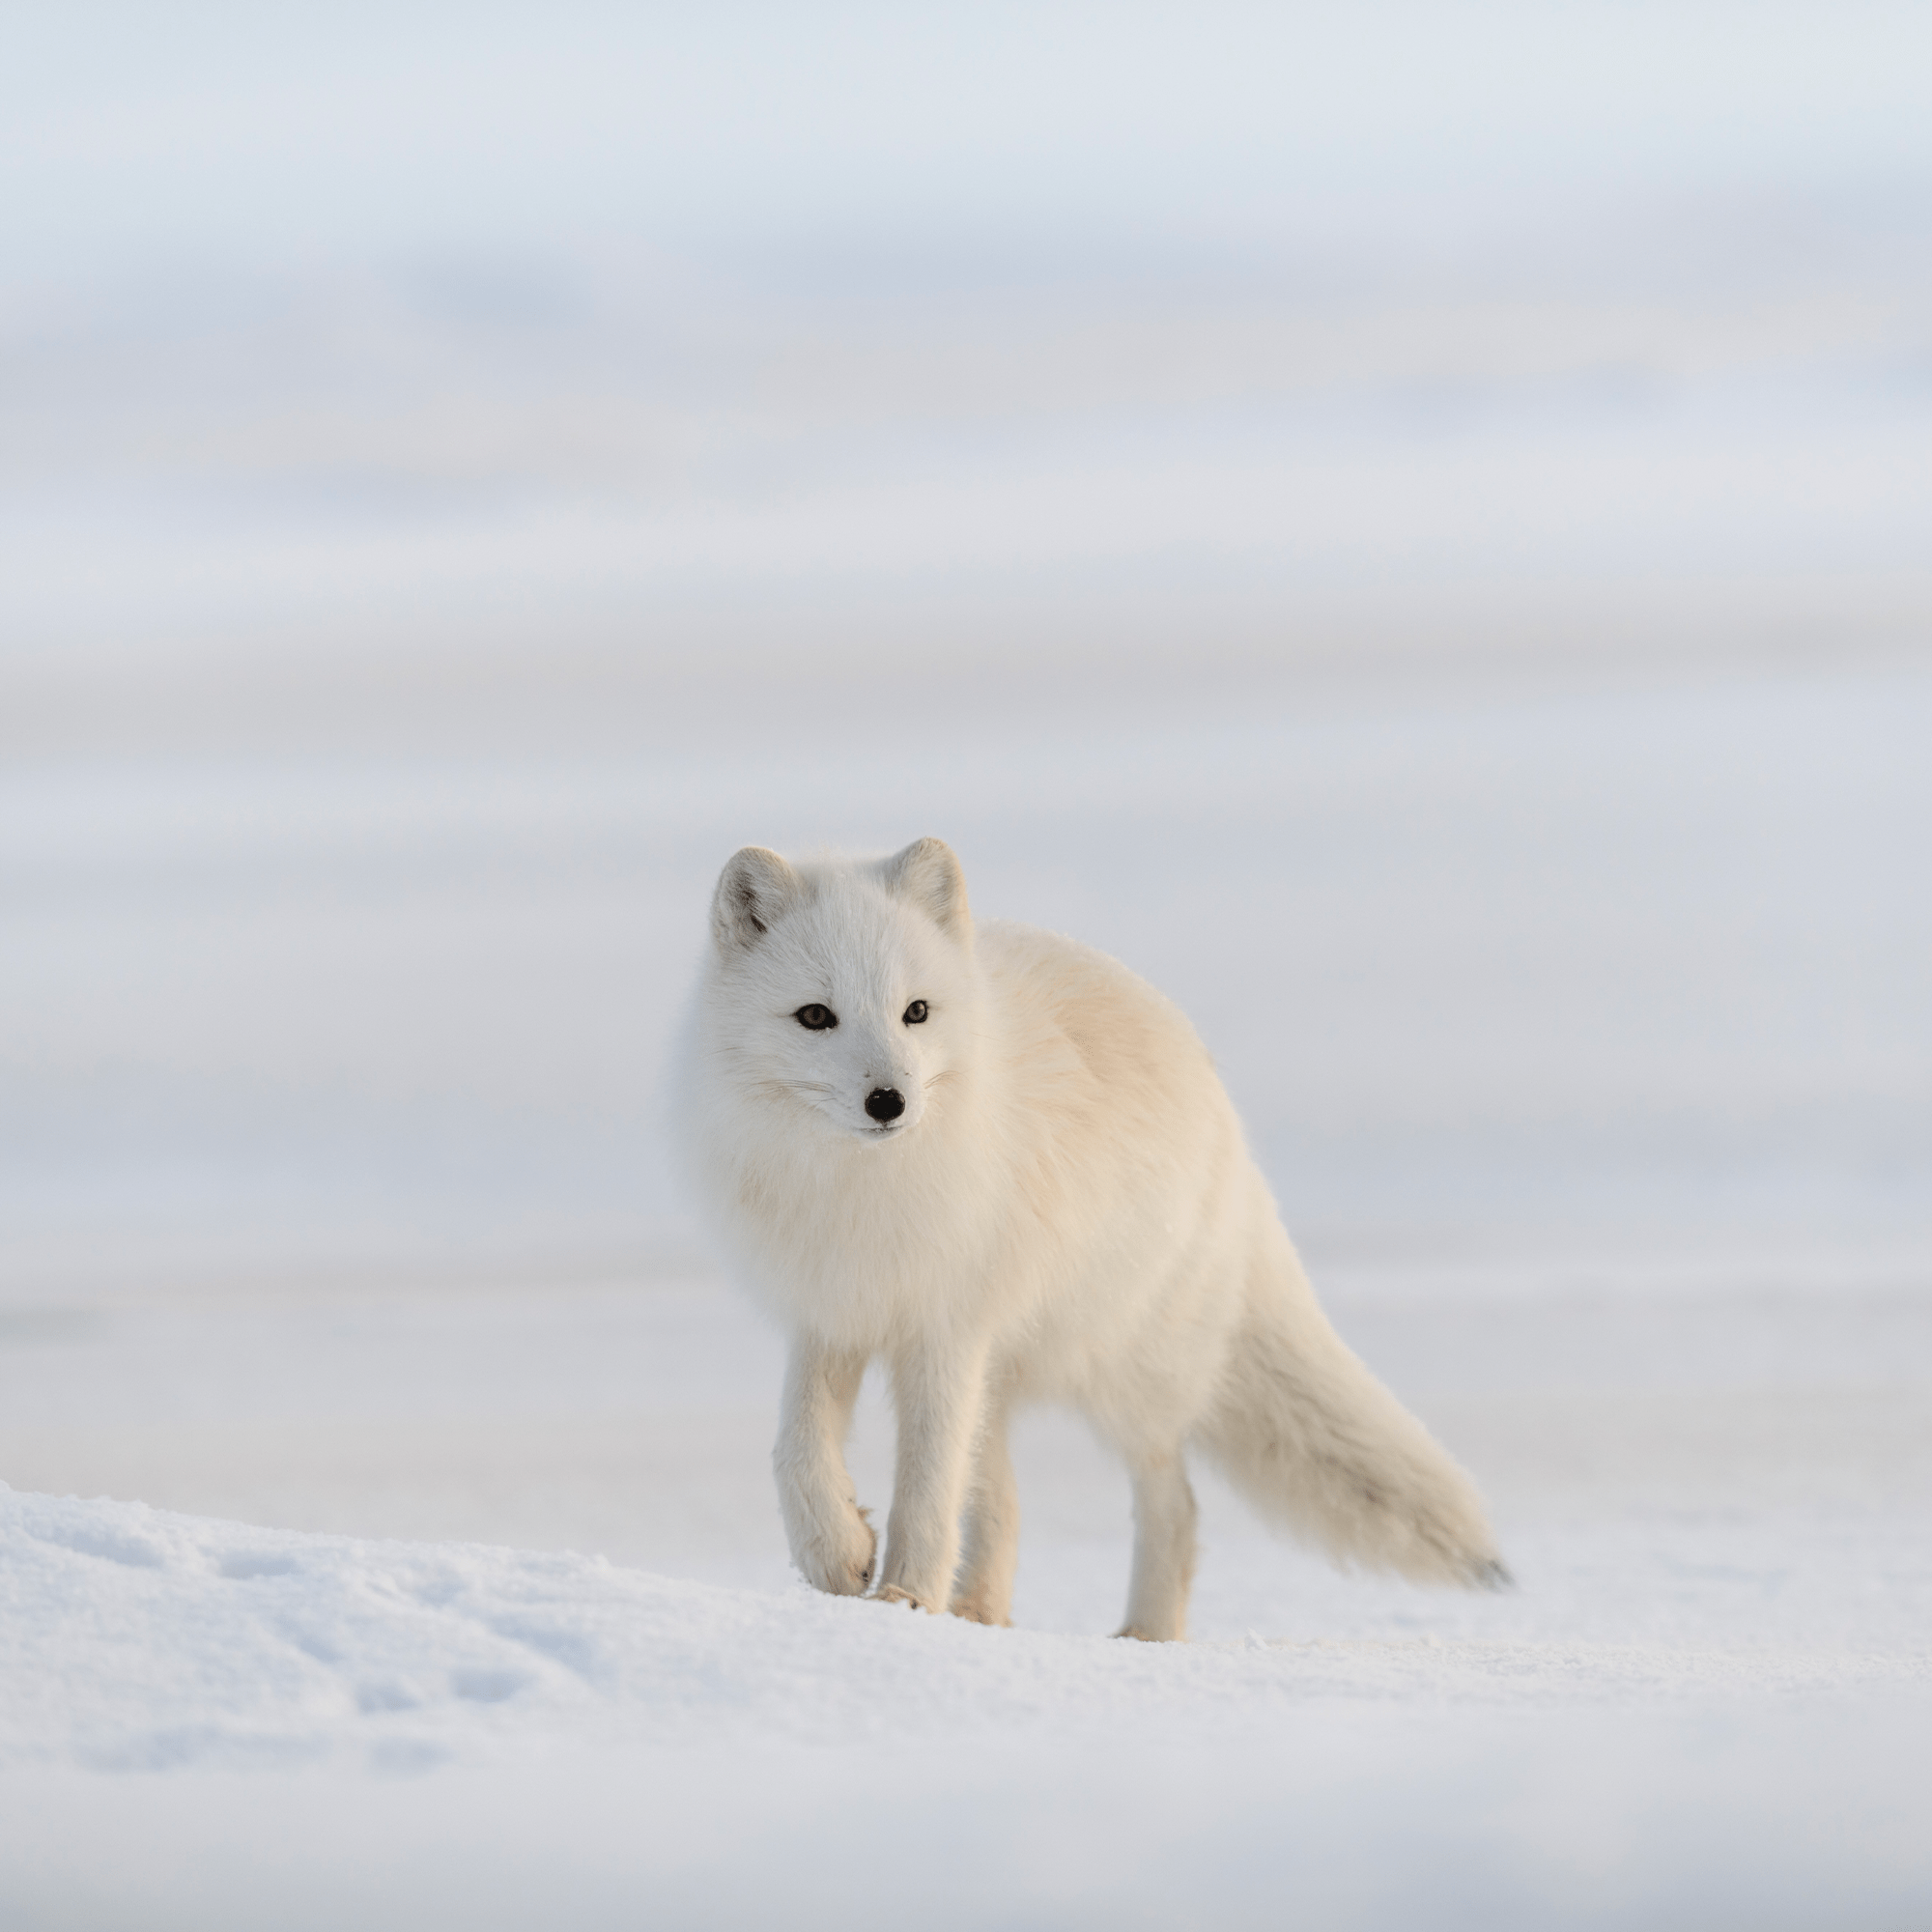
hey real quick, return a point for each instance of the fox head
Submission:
(845, 990)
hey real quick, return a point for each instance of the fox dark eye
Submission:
(915, 1015)
(816, 1017)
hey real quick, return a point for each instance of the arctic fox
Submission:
(1004, 1165)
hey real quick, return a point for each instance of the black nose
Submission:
(885, 1103)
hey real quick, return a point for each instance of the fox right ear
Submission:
(927, 873)
(753, 888)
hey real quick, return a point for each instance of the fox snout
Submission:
(885, 1103)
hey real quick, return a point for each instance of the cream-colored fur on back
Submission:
(1062, 1209)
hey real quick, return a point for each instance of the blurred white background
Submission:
(1408, 523)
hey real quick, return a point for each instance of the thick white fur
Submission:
(1065, 1211)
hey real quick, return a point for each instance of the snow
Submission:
(605, 1741)
(1712, 1693)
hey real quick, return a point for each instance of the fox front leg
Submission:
(938, 1391)
(832, 1542)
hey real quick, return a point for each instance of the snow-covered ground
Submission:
(1710, 1702)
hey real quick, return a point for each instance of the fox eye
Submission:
(816, 1017)
(915, 1015)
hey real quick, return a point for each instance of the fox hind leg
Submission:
(984, 1591)
(1163, 1573)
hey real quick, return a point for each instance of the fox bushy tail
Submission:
(1314, 1441)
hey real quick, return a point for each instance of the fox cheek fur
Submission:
(1004, 1167)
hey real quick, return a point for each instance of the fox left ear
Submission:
(927, 873)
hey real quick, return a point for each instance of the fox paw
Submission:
(972, 1611)
(842, 1565)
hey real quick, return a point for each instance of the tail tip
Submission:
(1492, 1574)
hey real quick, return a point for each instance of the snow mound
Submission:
(407, 1734)
(143, 1639)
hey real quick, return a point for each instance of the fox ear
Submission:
(755, 888)
(927, 873)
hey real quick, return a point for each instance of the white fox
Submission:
(1005, 1165)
